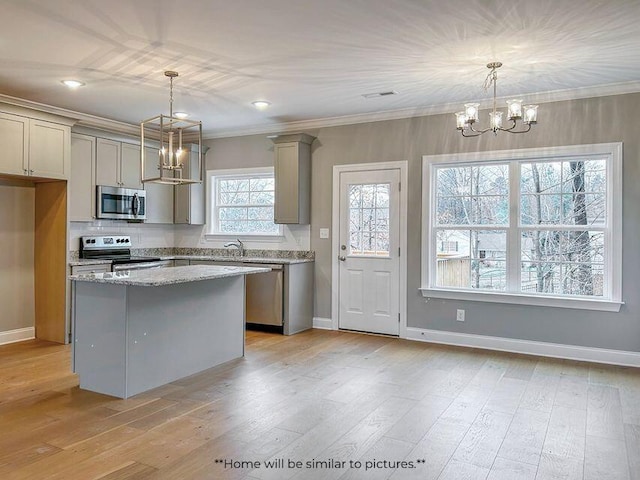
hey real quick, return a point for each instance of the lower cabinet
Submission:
(296, 290)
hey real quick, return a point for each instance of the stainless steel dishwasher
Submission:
(265, 296)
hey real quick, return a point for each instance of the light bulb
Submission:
(461, 120)
(515, 108)
(530, 113)
(495, 120)
(471, 110)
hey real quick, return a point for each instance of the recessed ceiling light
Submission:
(72, 83)
(180, 114)
(261, 104)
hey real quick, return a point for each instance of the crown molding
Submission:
(118, 127)
(81, 119)
(445, 108)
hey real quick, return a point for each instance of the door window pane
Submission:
(369, 219)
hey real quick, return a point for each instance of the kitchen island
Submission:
(137, 330)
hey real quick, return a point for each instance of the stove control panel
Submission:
(105, 242)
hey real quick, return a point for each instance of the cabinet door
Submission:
(159, 196)
(130, 166)
(49, 150)
(14, 139)
(82, 187)
(190, 198)
(286, 178)
(107, 162)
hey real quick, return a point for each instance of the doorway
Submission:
(369, 247)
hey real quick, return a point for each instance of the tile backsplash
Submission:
(296, 237)
(142, 235)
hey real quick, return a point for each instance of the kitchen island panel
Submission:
(202, 326)
(129, 339)
(99, 346)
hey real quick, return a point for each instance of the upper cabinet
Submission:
(49, 149)
(159, 196)
(14, 138)
(102, 161)
(34, 148)
(190, 198)
(292, 178)
(117, 164)
(82, 185)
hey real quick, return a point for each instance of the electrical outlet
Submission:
(460, 315)
(324, 233)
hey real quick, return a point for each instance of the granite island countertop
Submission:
(155, 277)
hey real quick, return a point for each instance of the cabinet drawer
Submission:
(80, 269)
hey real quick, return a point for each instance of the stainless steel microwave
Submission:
(120, 203)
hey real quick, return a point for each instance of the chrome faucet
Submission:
(238, 244)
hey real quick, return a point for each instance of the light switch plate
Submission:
(324, 233)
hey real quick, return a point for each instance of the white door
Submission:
(369, 286)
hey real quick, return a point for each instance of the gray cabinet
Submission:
(117, 164)
(82, 185)
(292, 178)
(34, 147)
(49, 149)
(189, 200)
(14, 138)
(159, 196)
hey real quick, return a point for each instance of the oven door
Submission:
(141, 265)
(120, 203)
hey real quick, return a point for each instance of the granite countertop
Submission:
(156, 277)
(283, 257)
(214, 258)
(238, 259)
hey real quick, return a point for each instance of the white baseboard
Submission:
(323, 323)
(543, 349)
(17, 335)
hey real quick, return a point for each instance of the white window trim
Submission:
(210, 211)
(613, 235)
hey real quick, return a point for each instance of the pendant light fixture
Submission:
(178, 142)
(528, 114)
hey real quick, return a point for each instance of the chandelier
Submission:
(175, 139)
(528, 114)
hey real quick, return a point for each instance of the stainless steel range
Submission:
(117, 248)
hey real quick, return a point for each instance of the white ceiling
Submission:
(313, 59)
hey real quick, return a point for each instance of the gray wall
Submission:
(594, 120)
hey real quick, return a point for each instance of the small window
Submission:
(241, 202)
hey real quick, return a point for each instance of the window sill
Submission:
(251, 237)
(523, 299)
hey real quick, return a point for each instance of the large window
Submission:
(538, 223)
(241, 202)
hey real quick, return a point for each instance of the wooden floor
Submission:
(447, 413)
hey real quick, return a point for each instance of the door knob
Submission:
(342, 258)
